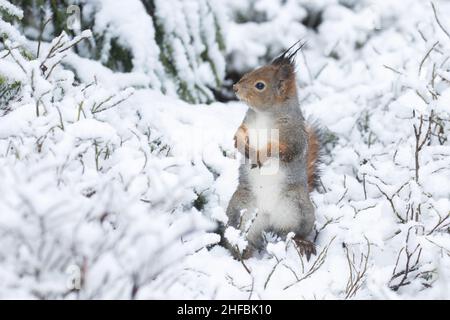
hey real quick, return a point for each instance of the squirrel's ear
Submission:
(284, 72)
(284, 75)
(282, 87)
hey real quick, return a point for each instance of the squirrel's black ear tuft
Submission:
(288, 56)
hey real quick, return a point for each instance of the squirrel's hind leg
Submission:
(242, 199)
(243, 215)
(305, 247)
(299, 196)
(240, 209)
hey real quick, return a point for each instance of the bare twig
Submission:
(271, 273)
(41, 31)
(419, 143)
(357, 271)
(438, 21)
(410, 265)
(315, 266)
(426, 56)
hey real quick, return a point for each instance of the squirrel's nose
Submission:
(235, 88)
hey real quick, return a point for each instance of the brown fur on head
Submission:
(271, 85)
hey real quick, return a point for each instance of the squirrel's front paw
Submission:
(241, 137)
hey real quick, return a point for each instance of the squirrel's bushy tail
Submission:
(314, 158)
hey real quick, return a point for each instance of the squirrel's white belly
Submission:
(267, 185)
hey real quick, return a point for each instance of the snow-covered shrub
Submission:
(385, 98)
(413, 173)
(260, 29)
(103, 188)
(177, 44)
(83, 197)
(10, 83)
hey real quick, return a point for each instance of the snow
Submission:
(123, 19)
(11, 71)
(11, 9)
(101, 177)
(12, 34)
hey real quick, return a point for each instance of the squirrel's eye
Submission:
(259, 85)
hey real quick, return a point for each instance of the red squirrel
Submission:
(274, 200)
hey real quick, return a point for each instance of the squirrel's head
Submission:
(269, 86)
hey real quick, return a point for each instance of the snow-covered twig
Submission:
(357, 271)
(317, 264)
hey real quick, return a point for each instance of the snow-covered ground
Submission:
(109, 189)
